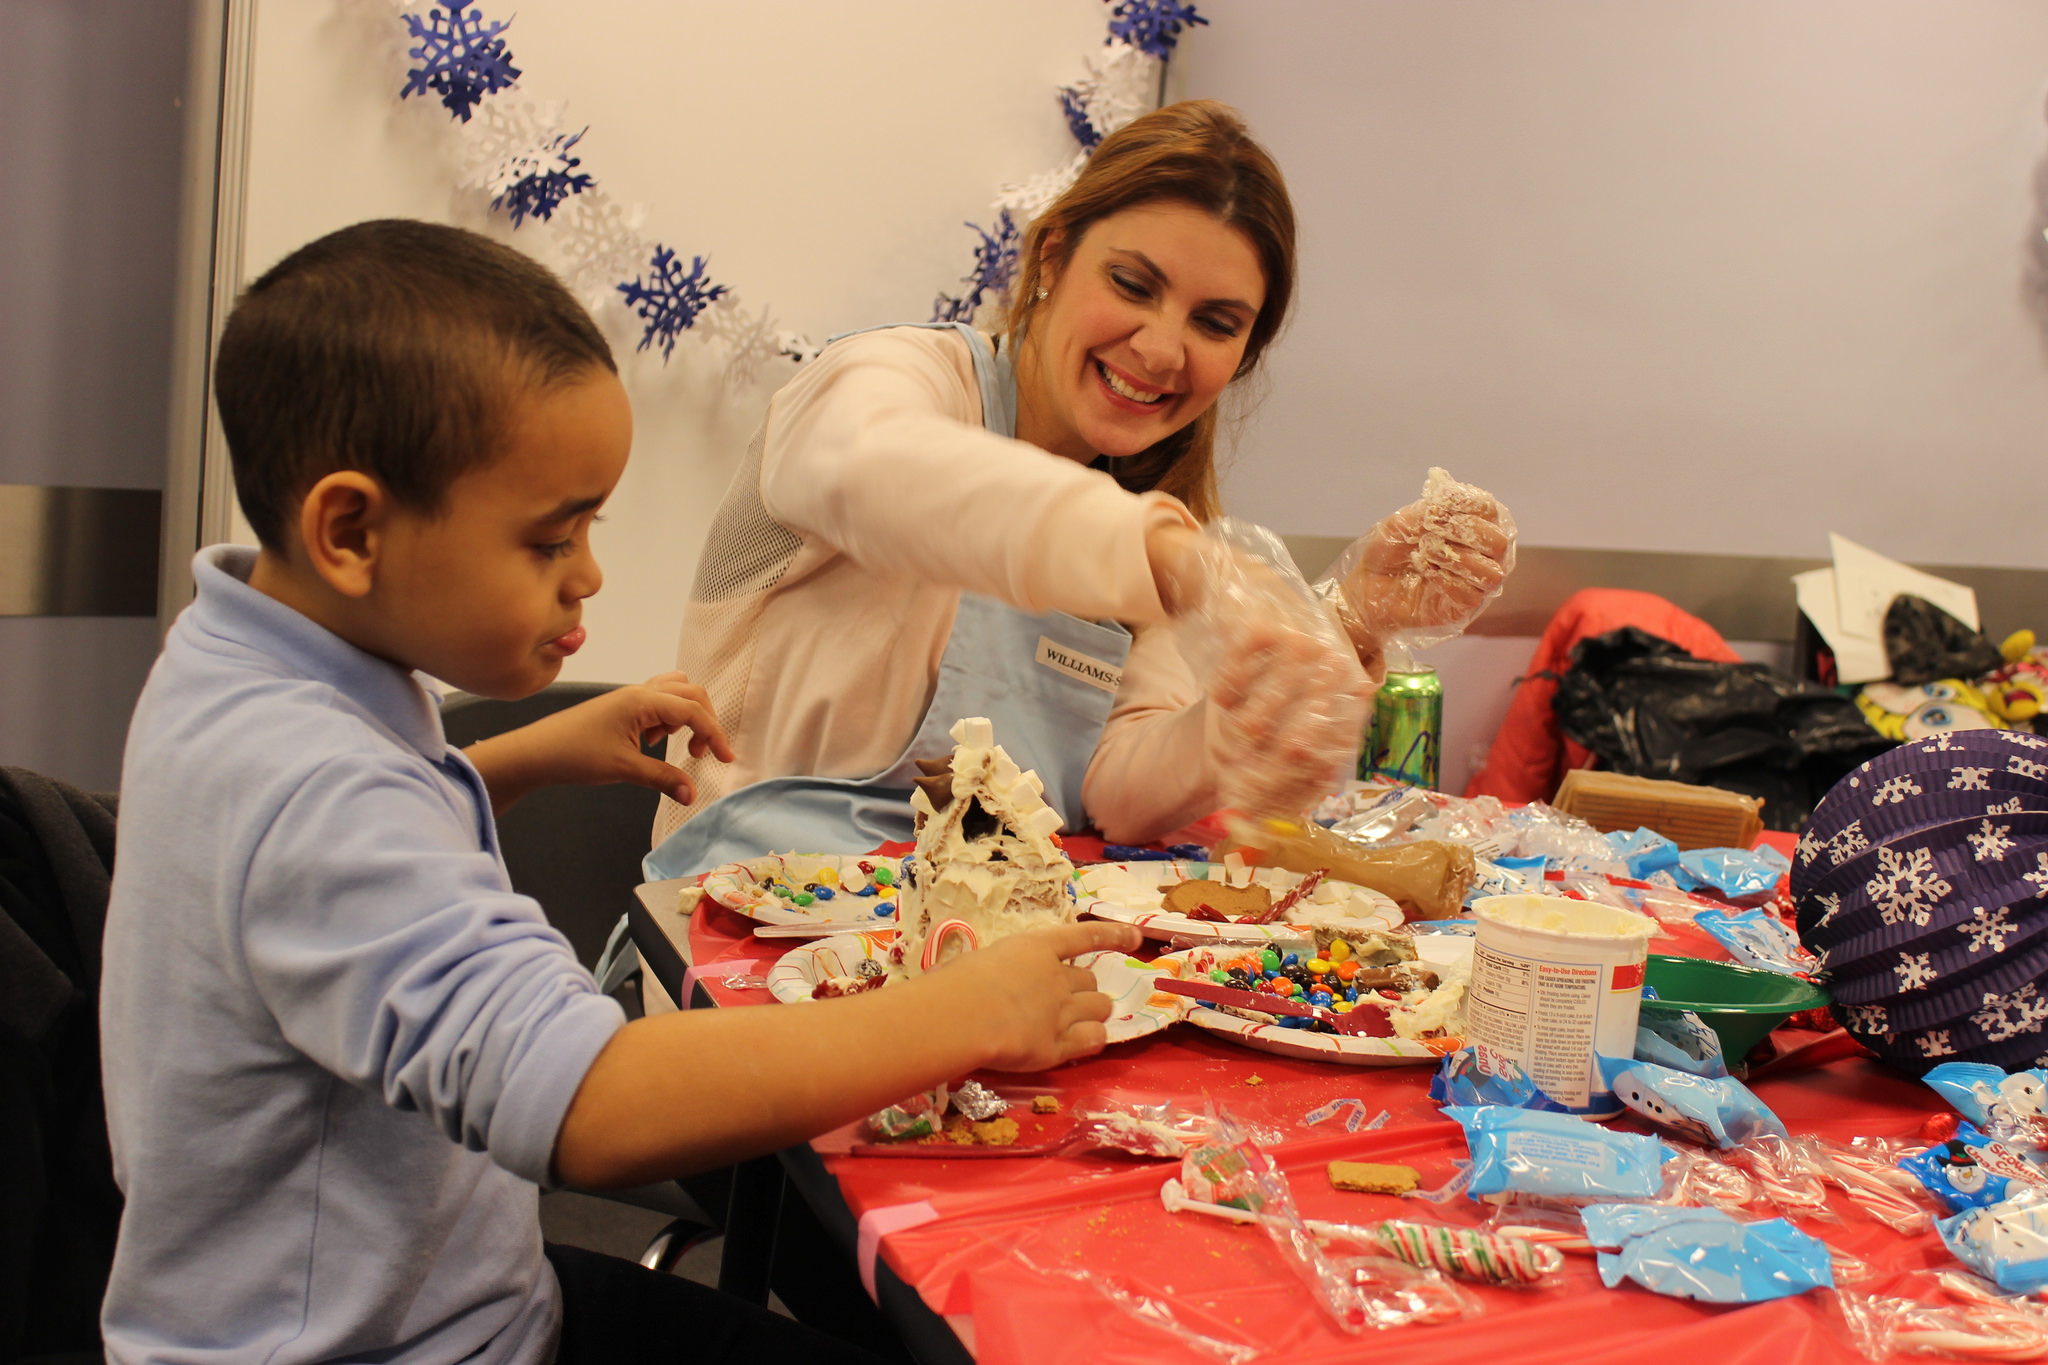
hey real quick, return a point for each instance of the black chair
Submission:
(59, 1207)
(577, 851)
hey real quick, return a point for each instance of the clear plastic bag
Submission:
(1424, 573)
(1288, 699)
(1958, 1317)
(1166, 1130)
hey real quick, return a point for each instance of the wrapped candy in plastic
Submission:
(1972, 1170)
(1644, 850)
(1475, 1076)
(1758, 938)
(1705, 1254)
(1680, 1040)
(1713, 1111)
(1288, 700)
(2008, 1105)
(1977, 1324)
(919, 1116)
(1535, 1152)
(1424, 573)
(2007, 1243)
(1733, 874)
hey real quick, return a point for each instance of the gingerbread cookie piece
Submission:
(1369, 1177)
(1232, 902)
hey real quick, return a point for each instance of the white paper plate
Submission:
(1128, 893)
(1136, 1009)
(1346, 1049)
(746, 888)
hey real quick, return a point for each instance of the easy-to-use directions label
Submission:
(1543, 1014)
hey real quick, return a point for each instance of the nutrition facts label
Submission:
(1545, 1011)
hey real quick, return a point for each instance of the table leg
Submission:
(751, 1218)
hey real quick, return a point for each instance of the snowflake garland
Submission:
(670, 298)
(522, 159)
(462, 59)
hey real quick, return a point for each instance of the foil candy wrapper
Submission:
(978, 1102)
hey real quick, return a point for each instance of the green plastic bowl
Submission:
(1740, 1004)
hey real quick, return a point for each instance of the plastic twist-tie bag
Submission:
(1289, 699)
(1424, 573)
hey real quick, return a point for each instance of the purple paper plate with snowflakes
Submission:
(1922, 885)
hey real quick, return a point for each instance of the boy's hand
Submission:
(600, 740)
(1035, 1007)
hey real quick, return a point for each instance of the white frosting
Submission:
(1000, 882)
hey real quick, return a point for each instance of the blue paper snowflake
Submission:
(542, 192)
(670, 300)
(1076, 110)
(995, 265)
(1151, 26)
(462, 58)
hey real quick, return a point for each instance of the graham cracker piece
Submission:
(1370, 1177)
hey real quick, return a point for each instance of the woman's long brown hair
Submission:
(1197, 152)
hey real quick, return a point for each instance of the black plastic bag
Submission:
(1924, 644)
(1648, 708)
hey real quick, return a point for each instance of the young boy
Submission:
(341, 1055)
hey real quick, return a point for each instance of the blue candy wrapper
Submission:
(2007, 1106)
(1757, 938)
(1712, 1111)
(1645, 851)
(2006, 1243)
(1705, 1254)
(1476, 1076)
(1680, 1040)
(1731, 873)
(1532, 1151)
(1973, 1170)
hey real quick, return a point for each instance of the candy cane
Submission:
(1462, 1251)
(937, 941)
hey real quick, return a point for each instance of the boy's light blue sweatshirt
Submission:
(337, 1045)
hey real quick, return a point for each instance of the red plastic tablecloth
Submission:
(1040, 1249)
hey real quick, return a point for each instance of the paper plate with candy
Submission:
(1393, 1003)
(828, 892)
(848, 964)
(1198, 900)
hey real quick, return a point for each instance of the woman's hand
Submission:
(1035, 1007)
(1422, 574)
(1288, 700)
(600, 740)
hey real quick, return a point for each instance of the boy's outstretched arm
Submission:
(699, 1089)
(599, 741)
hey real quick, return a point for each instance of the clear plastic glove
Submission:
(1287, 697)
(1425, 572)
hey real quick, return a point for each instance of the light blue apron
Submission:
(1046, 717)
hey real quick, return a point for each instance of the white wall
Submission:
(1697, 275)
(824, 156)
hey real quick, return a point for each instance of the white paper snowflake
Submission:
(2026, 767)
(1847, 843)
(1990, 844)
(1905, 888)
(1895, 790)
(750, 339)
(510, 139)
(1934, 1043)
(1830, 904)
(1868, 1019)
(1122, 83)
(1027, 198)
(601, 245)
(2039, 876)
(2003, 1016)
(1988, 928)
(1969, 780)
(1914, 971)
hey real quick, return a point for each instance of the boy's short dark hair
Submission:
(393, 347)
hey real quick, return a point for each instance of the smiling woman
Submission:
(935, 523)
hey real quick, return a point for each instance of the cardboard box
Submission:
(1689, 816)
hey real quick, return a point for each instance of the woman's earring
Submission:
(1042, 293)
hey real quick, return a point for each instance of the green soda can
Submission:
(1407, 728)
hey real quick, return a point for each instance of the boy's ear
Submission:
(341, 529)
